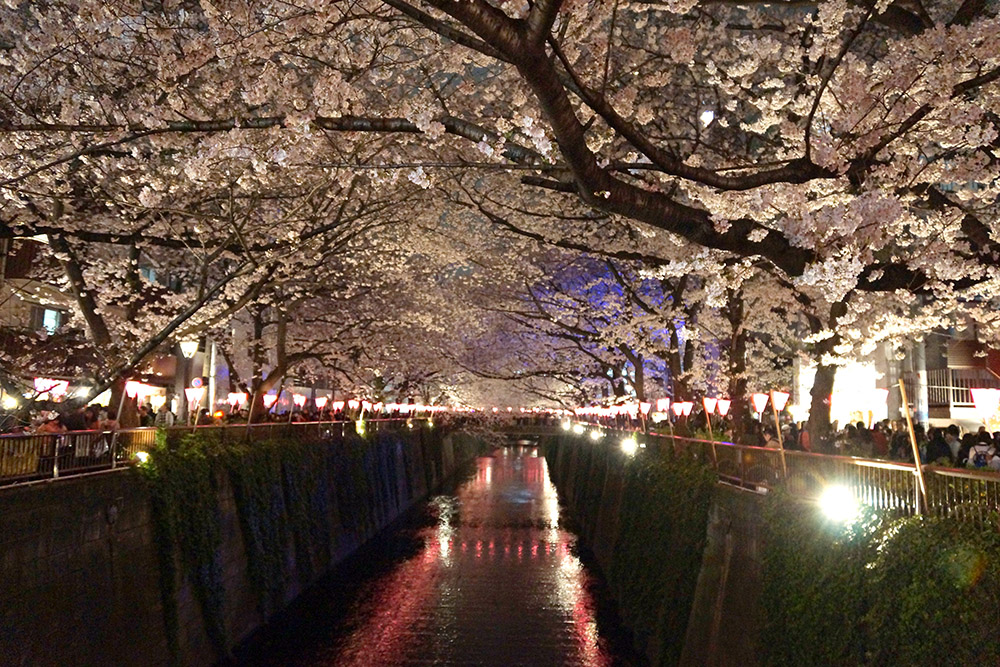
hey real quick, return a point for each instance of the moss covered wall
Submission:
(178, 562)
(706, 574)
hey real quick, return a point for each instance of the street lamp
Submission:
(189, 348)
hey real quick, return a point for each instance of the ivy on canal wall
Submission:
(660, 506)
(879, 591)
(300, 505)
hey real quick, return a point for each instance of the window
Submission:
(148, 273)
(46, 318)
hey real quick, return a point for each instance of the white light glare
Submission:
(578, 429)
(706, 117)
(142, 456)
(566, 425)
(630, 446)
(839, 504)
(595, 435)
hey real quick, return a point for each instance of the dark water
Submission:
(486, 575)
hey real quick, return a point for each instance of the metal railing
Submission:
(890, 486)
(885, 485)
(28, 457)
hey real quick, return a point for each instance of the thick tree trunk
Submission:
(820, 432)
(739, 410)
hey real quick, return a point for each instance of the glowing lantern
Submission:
(321, 402)
(54, 388)
(236, 398)
(194, 394)
(759, 402)
(645, 407)
(880, 396)
(133, 388)
(354, 404)
(678, 408)
(723, 406)
(709, 404)
(662, 404)
(189, 348)
(270, 400)
(299, 399)
(686, 407)
(337, 406)
(987, 401)
(779, 399)
(378, 407)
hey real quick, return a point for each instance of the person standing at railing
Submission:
(164, 417)
(938, 450)
(51, 425)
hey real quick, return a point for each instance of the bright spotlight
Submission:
(143, 457)
(839, 504)
(578, 429)
(595, 435)
(566, 425)
(630, 446)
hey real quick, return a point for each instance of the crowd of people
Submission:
(947, 446)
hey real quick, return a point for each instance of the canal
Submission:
(487, 573)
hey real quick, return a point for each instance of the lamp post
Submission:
(189, 348)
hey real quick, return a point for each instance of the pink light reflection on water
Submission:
(481, 603)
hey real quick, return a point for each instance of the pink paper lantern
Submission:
(709, 404)
(723, 406)
(194, 394)
(321, 402)
(54, 388)
(299, 399)
(337, 406)
(759, 402)
(645, 407)
(235, 398)
(880, 396)
(987, 401)
(678, 408)
(687, 406)
(662, 404)
(779, 399)
(270, 400)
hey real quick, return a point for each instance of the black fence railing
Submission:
(27, 457)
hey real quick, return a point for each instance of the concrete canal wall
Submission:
(681, 553)
(86, 577)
